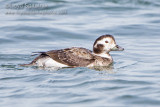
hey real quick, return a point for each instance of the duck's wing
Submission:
(72, 56)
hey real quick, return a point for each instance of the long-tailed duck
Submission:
(79, 57)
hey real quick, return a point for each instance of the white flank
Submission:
(49, 62)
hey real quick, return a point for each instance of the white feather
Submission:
(104, 55)
(49, 62)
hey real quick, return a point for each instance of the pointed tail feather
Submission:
(26, 65)
(33, 63)
(39, 52)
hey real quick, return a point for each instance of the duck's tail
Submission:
(26, 65)
(33, 63)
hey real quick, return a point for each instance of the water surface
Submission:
(134, 80)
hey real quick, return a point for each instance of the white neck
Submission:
(105, 55)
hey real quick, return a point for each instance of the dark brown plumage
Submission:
(98, 49)
(71, 56)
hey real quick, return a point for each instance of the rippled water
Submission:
(134, 79)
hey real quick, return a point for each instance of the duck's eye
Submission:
(106, 41)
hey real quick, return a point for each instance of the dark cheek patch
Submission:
(99, 49)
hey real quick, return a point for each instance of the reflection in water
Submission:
(103, 68)
(109, 68)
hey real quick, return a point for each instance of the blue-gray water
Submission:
(134, 80)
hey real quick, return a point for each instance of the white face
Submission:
(107, 42)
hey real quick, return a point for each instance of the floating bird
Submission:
(79, 57)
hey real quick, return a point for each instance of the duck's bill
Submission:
(117, 48)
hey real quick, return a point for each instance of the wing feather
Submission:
(72, 56)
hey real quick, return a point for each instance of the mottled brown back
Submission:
(72, 56)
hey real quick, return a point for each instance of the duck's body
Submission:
(70, 57)
(79, 57)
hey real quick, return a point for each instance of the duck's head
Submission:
(105, 44)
